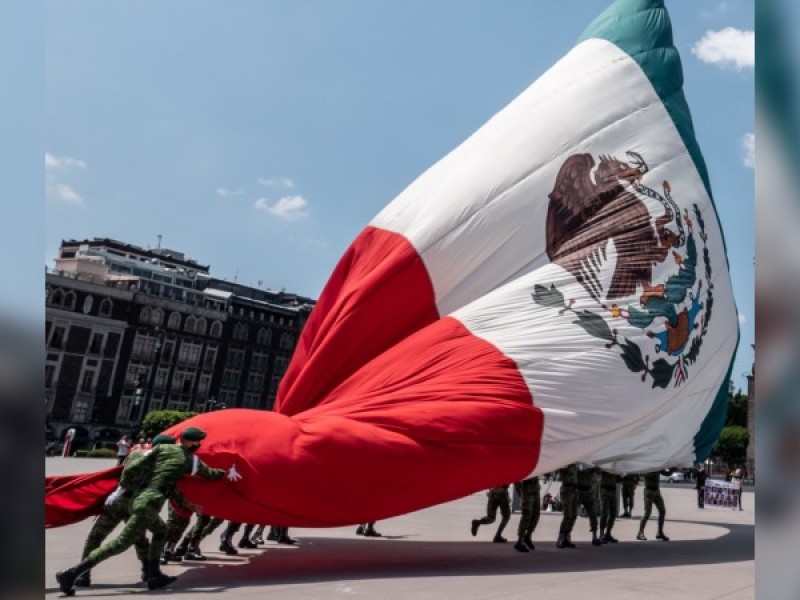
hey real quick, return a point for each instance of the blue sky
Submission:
(261, 136)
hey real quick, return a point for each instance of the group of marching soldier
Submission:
(149, 480)
(578, 483)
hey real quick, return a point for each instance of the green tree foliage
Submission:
(732, 445)
(157, 421)
(737, 409)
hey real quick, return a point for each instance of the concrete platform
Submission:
(430, 554)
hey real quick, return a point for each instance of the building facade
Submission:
(130, 330)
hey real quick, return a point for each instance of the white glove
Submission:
(114, 496)
(233, 474)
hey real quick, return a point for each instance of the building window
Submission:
(144, 315)
(161, 379)
(203, 385)
(189, 354)
(96, 345)
(174, 321)
(80, 411)
(264, 336)
(58, 337)
(105, 308)
(287, 340)
(69, 300)
(211, 358)
(49, 375)
(241, 332)
(87, 381)
(87, 304)
(166, 353)
(143, 347)
(200, 328)
(216, 329)
(57, 298)
(190, 325)
(157, 317)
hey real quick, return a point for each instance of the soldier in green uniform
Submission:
(189, 547)
(569, 504)
(498, 498)
(165, 465)
(609, 506)
(652, 495)
(530, 507)
(112, 516)
(586, 499)
(629, 483)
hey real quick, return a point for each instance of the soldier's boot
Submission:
(273, 535)
(521, 546)
(610, 538)
(370, 532)
(66, 579)
(529, 542)
(474, 529)
(560, 542)
(170, 555)
(499, 539)
(258, 538)
(194, 553)
(226, 546)
(84, 579)
(640, 536)
(596, 540)
(360, 530)
(246, 543)
(285, 539)
(182, 548)
(155, 578)
(145, 571)
(568, 541)
(661, 536)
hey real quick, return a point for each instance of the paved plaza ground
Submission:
(430, 554)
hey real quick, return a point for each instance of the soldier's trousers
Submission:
(652, 497)
(197, 532)
(569, 506)
(176, 525)
(627, 499)
(586, 499)
(106, 522)
(496, 501)
(145, 509)
(609, 509)
(210, 527)
(531, 508)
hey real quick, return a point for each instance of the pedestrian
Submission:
(700, 486)
(629, 483)
(529, 491)
(111, 516)
(164, 466)
(586, 499)
(737, 479)
(498, 499)
(123, 448)
(609, 507)
(367, 530)
(652, 495)
(569, 504)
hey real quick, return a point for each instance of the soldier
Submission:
(586, 499)
(530, 506)
(629, 483)
(189, 547)
(258, 535)
(165, 465)
(498, 498)
(367, 530)
(569, 505)
(652, 495)
(609, 506)
(111, 516)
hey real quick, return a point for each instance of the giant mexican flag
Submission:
(553, 290)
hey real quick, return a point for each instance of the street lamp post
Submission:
(151, 381)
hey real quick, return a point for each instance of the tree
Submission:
(732, 445)
(737, 409)
(157, 421)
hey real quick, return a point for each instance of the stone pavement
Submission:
(430, 554)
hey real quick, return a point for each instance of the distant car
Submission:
(672, 477)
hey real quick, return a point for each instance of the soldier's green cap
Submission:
(193, 434)
(163, 438)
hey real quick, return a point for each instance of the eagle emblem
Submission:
(636, 255)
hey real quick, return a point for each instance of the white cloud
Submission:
(64, 193)
(749, 150)
(283, 182)
(288, 208)
(729, 47)
(62, 162)
(226, 193)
